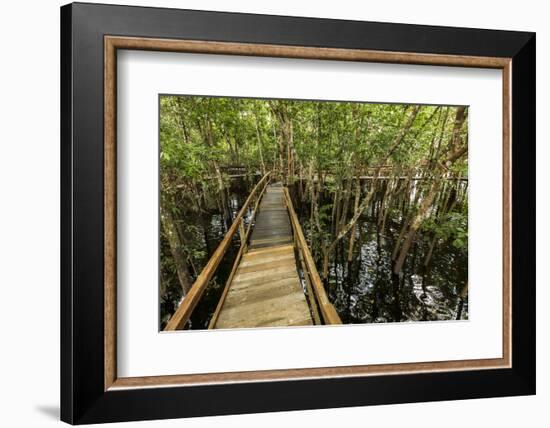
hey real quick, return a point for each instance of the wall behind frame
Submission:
(29, 226)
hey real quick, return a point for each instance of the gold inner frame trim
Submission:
(113, 43)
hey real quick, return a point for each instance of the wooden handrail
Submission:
(242, 251)
(185, 309)
(330, 316)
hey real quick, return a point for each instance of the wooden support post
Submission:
(310, 293)
(242, 235)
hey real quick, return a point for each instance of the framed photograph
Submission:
(265, 213)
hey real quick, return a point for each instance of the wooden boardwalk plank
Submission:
(266, 290)
(256, 282)
(267, 258)
(260, 266)
(275, 252)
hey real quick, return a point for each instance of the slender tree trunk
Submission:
(336, 211)
(426, 265)
(343, 232)
(414, 226)
(462, 298)
(177, 249)
(223, 197)
(407, 218)
(260, 147)
(286, 146)
(313, 203)
(346, 201)
(366, 201)
(354, 227)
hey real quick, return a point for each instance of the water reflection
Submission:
(363, 291)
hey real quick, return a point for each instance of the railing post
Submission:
(242, 235)
(309, 288)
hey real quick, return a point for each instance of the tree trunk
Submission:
(346, 201)
(176, 248)
(354, 227)
(462, 298)
(260, 145)
(414, 226)
(366, 201)
(286, 146)
(335, 211)
(343, 232)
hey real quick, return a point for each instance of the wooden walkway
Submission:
(266, 290)
(263, 288)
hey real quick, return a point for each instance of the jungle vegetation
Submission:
(381, 190)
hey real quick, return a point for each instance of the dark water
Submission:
(361, 290)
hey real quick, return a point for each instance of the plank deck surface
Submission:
(266, 290)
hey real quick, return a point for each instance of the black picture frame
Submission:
(83, 397)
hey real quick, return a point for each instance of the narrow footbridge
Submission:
(274, 281)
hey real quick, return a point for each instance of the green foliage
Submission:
(452, 227)
(198, 131)
(325, 143)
